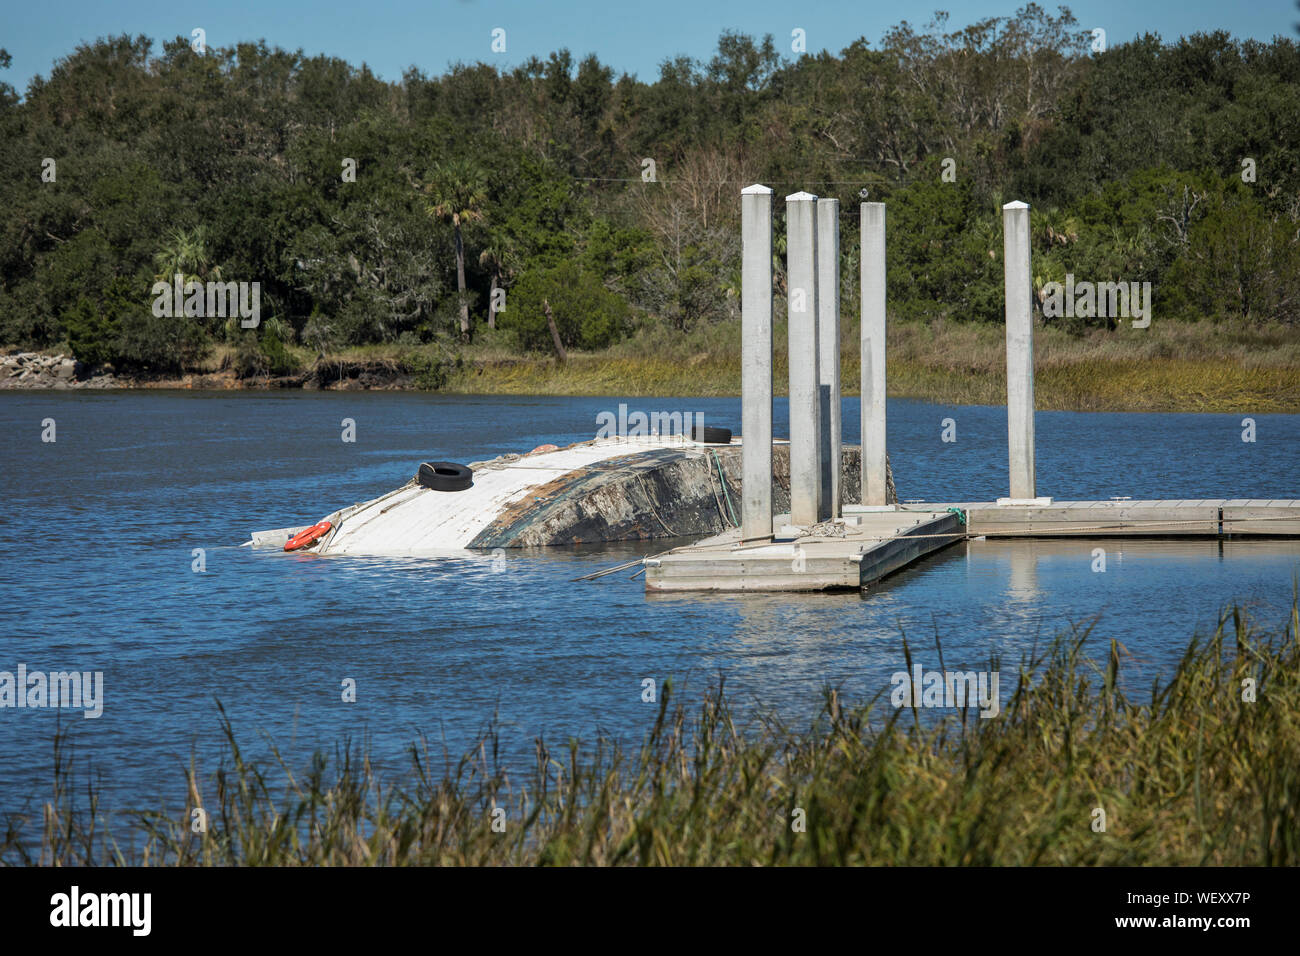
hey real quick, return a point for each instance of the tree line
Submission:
(559, 205)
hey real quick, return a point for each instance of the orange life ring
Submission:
(543, 449)
(309, 536)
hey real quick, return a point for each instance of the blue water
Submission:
(98, 529)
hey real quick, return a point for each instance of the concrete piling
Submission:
(756, 362)
(1020, 349)
(805, 415)
(828, 359)
(874, 467)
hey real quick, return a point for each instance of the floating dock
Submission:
(849, 555)
(1123, 517)
(868, 544)
(826, 543)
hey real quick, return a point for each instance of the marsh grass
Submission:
(1171, 366)
(1192, 775)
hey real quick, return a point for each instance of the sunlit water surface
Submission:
(98, 529)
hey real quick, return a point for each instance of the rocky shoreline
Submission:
(39, 370)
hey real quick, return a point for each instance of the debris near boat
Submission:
(610, 489)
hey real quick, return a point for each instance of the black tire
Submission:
(711, 436)
(444, 476)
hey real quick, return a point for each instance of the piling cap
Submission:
(800, 197)
(1017, 204)
(758, 189)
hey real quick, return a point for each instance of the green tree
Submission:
(185, 253)
(501, 260)
(1239, 262)
(458, 191)
(587, 315)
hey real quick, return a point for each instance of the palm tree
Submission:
(500, 259)
(457, 191)
(1058, 229)
(186, 253)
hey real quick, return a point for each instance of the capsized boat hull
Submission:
(595, 491)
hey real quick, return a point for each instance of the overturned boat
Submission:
(607, 489)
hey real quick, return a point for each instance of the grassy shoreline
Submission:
(1170, 367)
(1203, 771)
(1165, 385)
(1175, 367)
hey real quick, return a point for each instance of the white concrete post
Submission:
(874, 467)
(805, 418)
(756, 362)
(828, 360)
(1020, 349)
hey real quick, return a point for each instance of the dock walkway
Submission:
(868, 544)
(1123, 517)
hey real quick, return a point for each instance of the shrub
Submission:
(120, 327)
(92, 334)
(587, 315)
(277, 357)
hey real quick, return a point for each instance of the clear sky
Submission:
(632, 36)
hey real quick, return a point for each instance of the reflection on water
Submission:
(1002, 597)
(1022, 579)
(97, 533)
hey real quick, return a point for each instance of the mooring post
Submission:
(805, 418)
(874, 467)
(828, 360)
(1020, 349)
(756, 362)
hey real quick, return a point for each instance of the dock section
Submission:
(1124, 517)
(870, 544)
(844, 555)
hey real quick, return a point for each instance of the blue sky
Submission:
(633, 36)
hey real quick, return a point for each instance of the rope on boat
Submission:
(653, 510)
(727, 494)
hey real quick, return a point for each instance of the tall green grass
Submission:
(1171, 366)
(1189, 774)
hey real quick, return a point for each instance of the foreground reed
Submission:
(1206, 770)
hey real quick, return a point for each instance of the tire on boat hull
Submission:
(444, 476)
